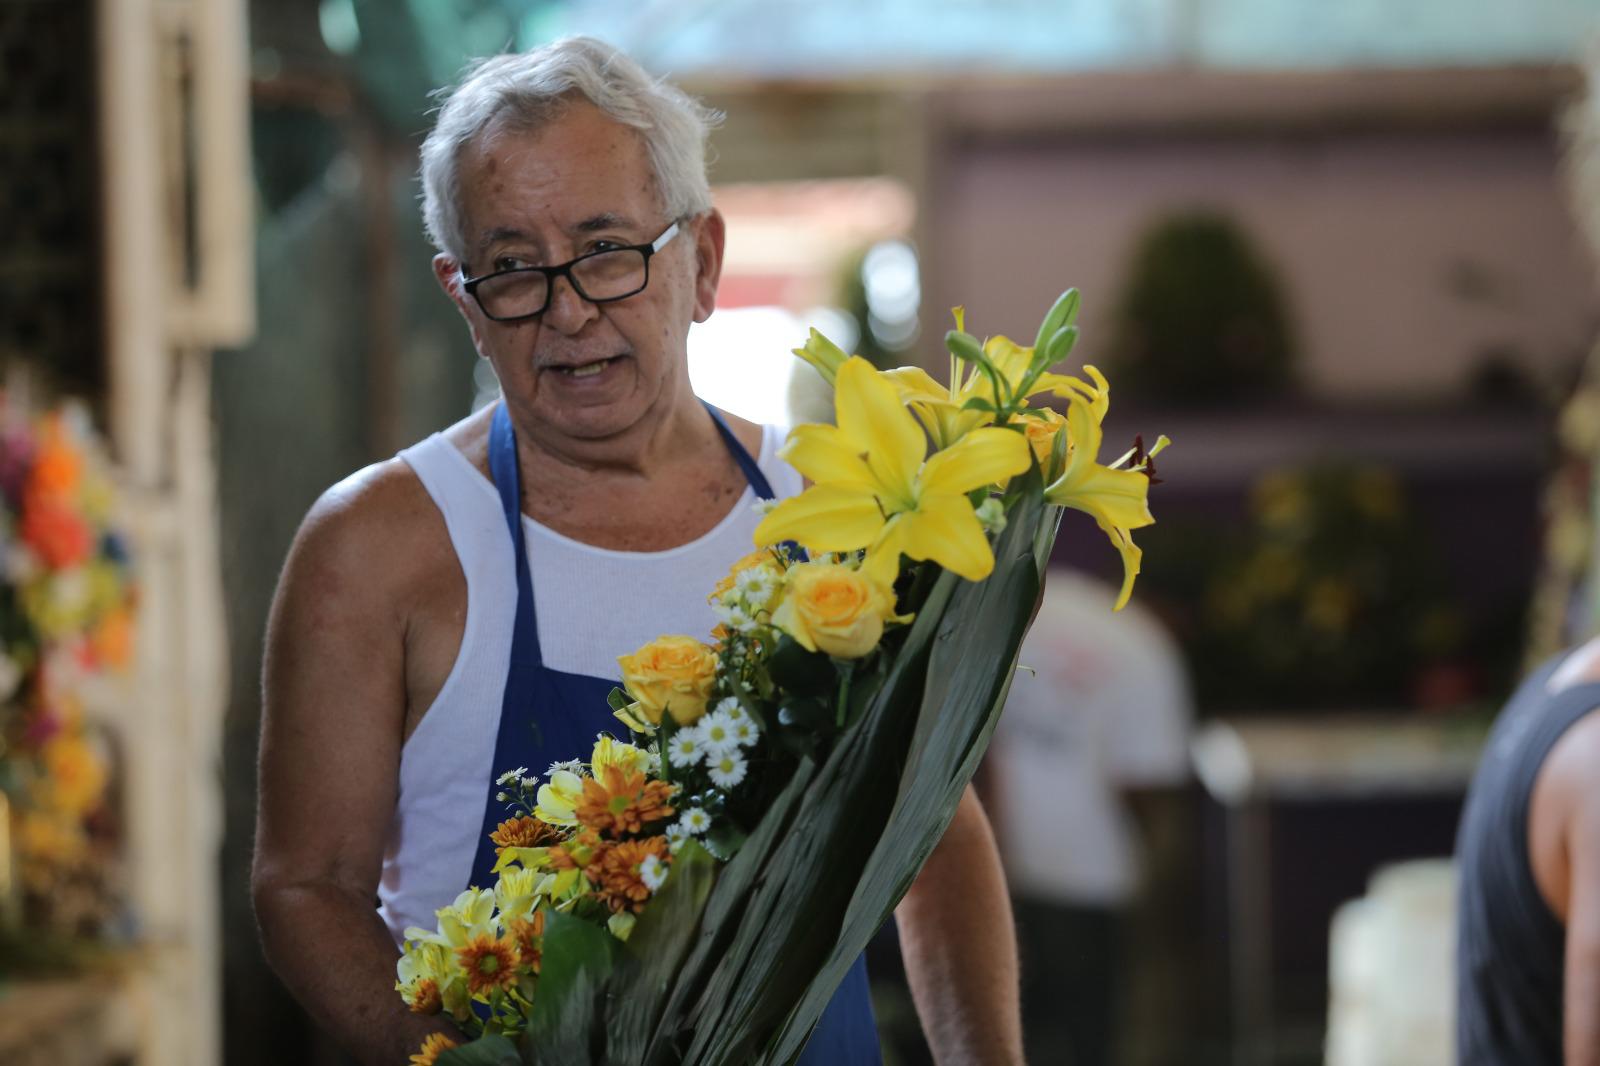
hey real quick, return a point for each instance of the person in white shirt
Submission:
(1099, 714)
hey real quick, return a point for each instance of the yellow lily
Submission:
(823, 355)
(1116, 498)
(873, 487)
(942, 409)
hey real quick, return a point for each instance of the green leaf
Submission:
(978, 403)
(650, 961)
(491, 1050)
(725, 839)
(960, 703)
(794, 668)
(564, 1025)
(710, 968)
(805, 715)
(619, 700)
(790, 924)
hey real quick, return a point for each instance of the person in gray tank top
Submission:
(1528, 852)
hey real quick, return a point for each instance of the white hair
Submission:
(531, 88)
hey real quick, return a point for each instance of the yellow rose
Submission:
(670, 673)
(834, 609)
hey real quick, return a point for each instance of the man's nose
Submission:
(568, 312)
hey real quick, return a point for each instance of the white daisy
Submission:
(695, 821)
(754, 584)
(676, 834)
(731, 707)
(735, 617)
(745, 732)
(511, 777)
(716, 734)
(727, 769)
(686, 748)
(653, 872)
(571, 766)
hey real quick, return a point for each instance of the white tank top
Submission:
(592, 604)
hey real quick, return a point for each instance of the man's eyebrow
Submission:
(500, 233)
(604, 220)
(594, 224)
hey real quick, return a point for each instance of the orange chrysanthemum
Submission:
(524, 832)
(57, 466)
(574, 853)
(435, 1045)
(529, 938)
(614, 872)
(490, 963)
(425, 999)
(55, 531)
(623, 802)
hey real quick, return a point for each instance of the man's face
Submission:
(581, 183)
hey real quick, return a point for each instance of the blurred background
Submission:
(1336, 251)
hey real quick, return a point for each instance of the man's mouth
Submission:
(586, 370)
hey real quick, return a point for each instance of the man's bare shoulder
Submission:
(377, 534)
(362, 519)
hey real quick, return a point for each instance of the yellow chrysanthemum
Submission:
(435, 1045)
(489, 963)
(629, 758)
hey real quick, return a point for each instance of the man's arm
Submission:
(1582, 979)
(960, 947)
(333, 716)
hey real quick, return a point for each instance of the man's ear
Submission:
(710, 232)
(447, 272)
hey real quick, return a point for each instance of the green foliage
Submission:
(485, 1051)
(1331, 596)
(1201, 320)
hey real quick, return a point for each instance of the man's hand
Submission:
(960, 947)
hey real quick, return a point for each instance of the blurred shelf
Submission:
(1326, 756)
(1226, 449)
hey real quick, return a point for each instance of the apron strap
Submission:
(752, 470)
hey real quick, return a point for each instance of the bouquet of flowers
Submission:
(66, 625)
(696, 892)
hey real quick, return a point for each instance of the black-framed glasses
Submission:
(599, 277)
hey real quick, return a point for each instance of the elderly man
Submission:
(506, 562)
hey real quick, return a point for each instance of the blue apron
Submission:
(549, 716)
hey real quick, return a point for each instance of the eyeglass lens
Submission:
(605, 276)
